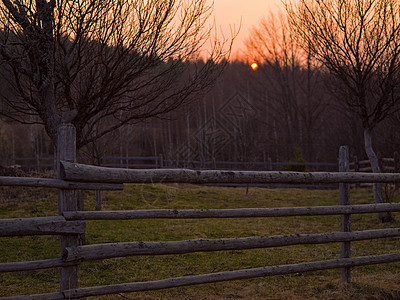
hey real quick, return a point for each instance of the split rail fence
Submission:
(387, 165)
(159, 162)
(70, 223)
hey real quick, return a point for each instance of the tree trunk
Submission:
(383, 216)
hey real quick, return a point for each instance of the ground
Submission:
(369, 282)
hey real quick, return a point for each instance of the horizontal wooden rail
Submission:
(216, 277)
(33, 265)
(111, 250)
(364, 162)
(55, 183)
(230, 213)
(387, 160)
(79, 172)
(366, 169)
(40, 226)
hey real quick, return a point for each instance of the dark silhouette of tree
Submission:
(102, 64)
(359, 43)
(291, 82)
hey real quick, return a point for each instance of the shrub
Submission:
(298, 158)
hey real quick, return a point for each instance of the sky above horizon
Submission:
(230, 14)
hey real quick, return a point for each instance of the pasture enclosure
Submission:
(70, 223)
(158, 162)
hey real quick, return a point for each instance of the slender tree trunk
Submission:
(383, 216)
(49, 113)
(188, 154)
(121, 162)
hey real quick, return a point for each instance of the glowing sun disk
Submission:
(254, 66)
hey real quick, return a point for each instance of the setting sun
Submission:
(254, 66)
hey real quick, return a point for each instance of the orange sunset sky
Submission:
(229, 13)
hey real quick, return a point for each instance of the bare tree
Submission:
(85, 61)
(358, 41)
(291, 81)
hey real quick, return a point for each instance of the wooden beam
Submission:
(49, 296)
(345, 219)
(67, 201)
(33, 265)
(56, 183)
(214, 277)
(40, 226)
(230, 213)
(111, 250)
(231, 275)
(79, 172)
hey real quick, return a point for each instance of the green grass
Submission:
(369, 282)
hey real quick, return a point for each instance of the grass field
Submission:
(369, 282)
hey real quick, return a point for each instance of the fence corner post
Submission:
(345, 220)
(67, 201)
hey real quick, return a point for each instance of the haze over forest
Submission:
(285, 108)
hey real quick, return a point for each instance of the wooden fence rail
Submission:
(214, 277)
(40, 226)
(232, 275)
(387, 164)
(34, 265)
(70, 224)
(86, 173)
(150, 162)
(55, 183)
(231, 213)
(31, 225)
(113, 250)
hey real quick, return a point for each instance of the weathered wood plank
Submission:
(111, 250)
(215, 277)
(364, 162)
(231, 213)
(56, 183)
(98, 200)
(67, 201)
(366, 169)
(388, 169)
(231, 275)
(33, 265)
(345, 219)
(387, 160)
(40, 226)
(49, 296)
(79, 172)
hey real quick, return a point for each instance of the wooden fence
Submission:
(70, 223)
(156, 162)
(388, 165)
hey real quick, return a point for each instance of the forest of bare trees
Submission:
(240, 119)
(295, 105)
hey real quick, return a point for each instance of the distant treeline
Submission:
(262, 115)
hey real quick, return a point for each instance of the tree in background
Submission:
(102, 64)
(291, 83)
(358, 42)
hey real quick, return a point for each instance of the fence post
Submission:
(269, 164)
(161, 161)
(345, 220)
(66, 150)
(396, 165)
(98, 199)
(356, 168)
(80, 195)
